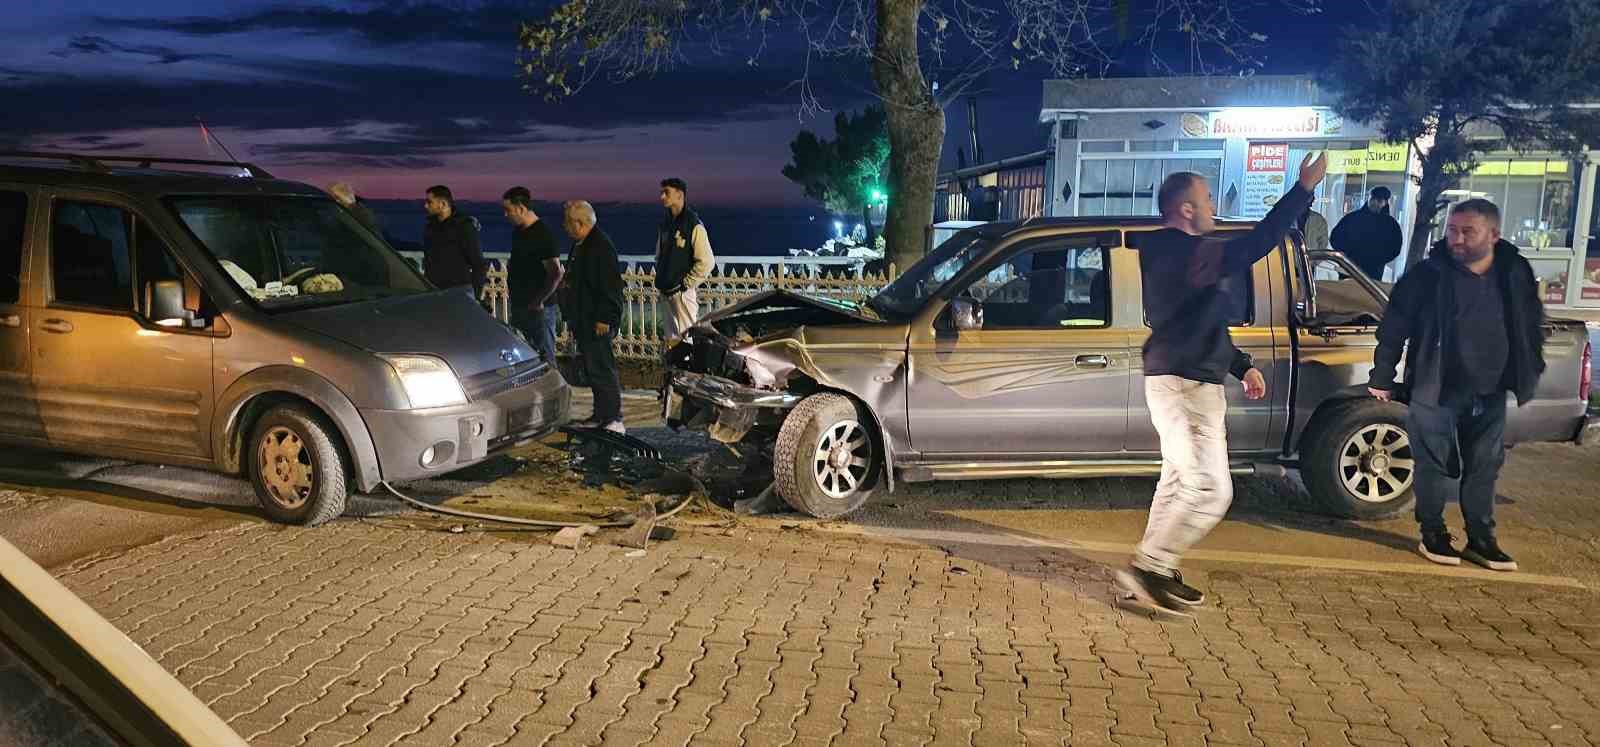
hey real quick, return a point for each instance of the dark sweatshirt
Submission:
(592, 287)
(1369, 239)
(450, 253)
(1186, 310)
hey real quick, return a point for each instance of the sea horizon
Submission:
(734, 230)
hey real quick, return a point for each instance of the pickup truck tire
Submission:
(825, 462)
(1357, 460)
(297, 467)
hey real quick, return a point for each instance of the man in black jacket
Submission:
(451, 256)
(1470, 323)
(1186, 359)
(1369, 236)
(592, 306)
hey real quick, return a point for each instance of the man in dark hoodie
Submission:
(451, 256)
(683, 260)
(1186, 273)
(1469, 321)
(1369, 236)
(592, 305)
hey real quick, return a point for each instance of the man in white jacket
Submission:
(683, 260)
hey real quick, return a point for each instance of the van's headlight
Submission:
(429, 382)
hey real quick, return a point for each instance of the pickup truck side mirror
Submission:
(965, 314)
(163, 304)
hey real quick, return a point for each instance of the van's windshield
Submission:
(290, 252)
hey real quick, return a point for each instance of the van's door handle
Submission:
(58, 326)
(1092, 361)
(11, 320)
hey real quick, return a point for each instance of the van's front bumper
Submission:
(413, 444)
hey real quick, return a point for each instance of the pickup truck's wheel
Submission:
(1357, 461)
(297, 467)
(825, 461)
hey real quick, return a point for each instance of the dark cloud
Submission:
(91, 44)
(383, 24)
(411, 163)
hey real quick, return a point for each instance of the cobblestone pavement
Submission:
(361, 634)
(775, 631)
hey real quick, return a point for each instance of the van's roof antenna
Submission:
(205, 133)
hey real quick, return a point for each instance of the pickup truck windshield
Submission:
(906, 294)
(289, 252)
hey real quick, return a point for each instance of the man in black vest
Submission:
(683, 260)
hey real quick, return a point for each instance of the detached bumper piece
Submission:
(727, 409)
(638, 446)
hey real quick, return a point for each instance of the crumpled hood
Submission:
(777, 310)
(448, 324)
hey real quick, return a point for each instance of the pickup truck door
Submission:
(1048, 371)
(1253, 315)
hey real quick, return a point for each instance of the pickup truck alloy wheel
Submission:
(1376, 463)
(840, 463)
(1356, 459)
(297, 466)
(825, 462)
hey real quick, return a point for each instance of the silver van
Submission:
(154, 312)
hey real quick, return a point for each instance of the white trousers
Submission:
(680, 313)
(1196, 487)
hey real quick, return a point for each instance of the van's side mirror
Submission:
(163, 303)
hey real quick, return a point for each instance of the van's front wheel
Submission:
(297, 467)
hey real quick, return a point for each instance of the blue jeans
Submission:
(1459, 448)
(539, 326)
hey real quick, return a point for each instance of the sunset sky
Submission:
(395, 96)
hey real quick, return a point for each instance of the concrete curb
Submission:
(111, 675)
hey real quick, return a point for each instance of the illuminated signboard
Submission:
(1263, 122)
(1265, 169)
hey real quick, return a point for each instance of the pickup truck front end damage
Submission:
(747, 366)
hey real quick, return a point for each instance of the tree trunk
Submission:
(916, 131)
(866, 218)
(1429, 191)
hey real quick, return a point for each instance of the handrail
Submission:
(115, 679)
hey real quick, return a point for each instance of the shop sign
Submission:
(1251, 122)
(1265, 170)
(1376, 157)
(1387, 156)
(1520, 168)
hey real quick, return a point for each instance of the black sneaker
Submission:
(1487, 553)
(1183, 593)
(1436, 547)
(1152, 590)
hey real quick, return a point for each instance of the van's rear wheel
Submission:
(1358, 462)
(826, 461)
(297, 467)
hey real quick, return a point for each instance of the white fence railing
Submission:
(640, 336)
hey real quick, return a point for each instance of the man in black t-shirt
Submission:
(534, 273)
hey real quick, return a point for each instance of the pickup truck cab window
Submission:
(1050, 286)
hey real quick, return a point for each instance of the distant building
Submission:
(1112, 141)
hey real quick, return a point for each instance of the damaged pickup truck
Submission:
(1013, 350)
